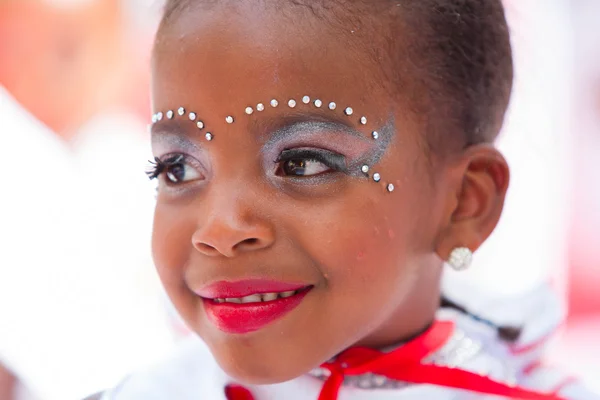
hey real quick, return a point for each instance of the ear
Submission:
(478, 181)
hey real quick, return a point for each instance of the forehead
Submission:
(231, 55)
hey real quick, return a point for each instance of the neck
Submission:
(414, 315)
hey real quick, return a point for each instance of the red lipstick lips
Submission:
(247, 306)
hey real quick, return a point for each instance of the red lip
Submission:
(223, 290)
(249, 317)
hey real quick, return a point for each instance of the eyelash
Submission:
(159, 166)
(156, 168)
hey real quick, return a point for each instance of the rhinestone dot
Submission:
(208, 136)
(375, 135)
(159, 116)
(364, 383)
(192, 116)
(200, 124)
(363, 120)
(170, 114)
(249, 110)
(365, 168)
(154, 118)
(332, 106)
(376, 177)
(318, 103)
(348, 111)
(292, 103)
(181, 111)
(260, 107)
(379, 380)
(390, 188)
(274, 103)
(229, 119)
(306, 99)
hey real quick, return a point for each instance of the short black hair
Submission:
(451, 58)
(463, 53)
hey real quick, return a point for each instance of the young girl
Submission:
(318, 162)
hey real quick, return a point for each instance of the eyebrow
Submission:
(285, 128)
(295, 129)
(174, 135)
(291, 127)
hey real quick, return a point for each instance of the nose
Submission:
(232, 230)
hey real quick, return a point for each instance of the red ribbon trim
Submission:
(405, 364)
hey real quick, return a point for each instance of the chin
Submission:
(258, 371)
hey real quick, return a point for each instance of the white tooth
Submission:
(219, 300)
(269, 296)
(254, 298)
(287, 294)
(238, 301)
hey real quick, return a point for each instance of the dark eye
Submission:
(303, 167)
(309, 162)
(181, 171)
(175, 169)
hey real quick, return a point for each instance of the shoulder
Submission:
(189, 373)
(538, 314)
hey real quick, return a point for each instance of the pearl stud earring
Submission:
(460, 258)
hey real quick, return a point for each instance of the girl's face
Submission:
(277, 201)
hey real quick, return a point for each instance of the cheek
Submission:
(171, 245)
(369, 244)
(374, 251)
(364, 247)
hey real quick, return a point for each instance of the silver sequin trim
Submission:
(456, 352)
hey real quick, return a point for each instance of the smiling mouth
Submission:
(244, 307)
(260, 297)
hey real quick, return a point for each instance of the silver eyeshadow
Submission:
(301, 129)
(172, 140)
